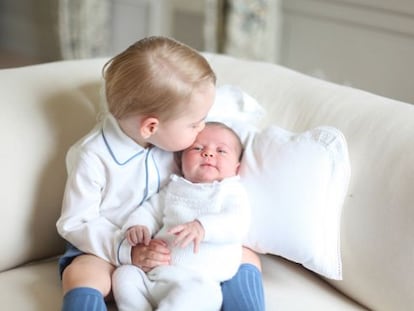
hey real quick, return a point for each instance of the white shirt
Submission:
(221, 207)
(109, 176)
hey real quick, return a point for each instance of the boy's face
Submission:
(178, 134)
(213, 156)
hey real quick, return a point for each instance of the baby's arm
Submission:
(232, 223)
(186, 233)
(138, 234)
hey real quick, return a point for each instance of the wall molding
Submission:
(365, 13)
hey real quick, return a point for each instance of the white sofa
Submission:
(45, 108)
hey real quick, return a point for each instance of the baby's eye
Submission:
(222, 151)
(197, 148)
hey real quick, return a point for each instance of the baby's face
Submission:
(214, 155)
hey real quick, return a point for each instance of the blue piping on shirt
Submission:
(145, 197)
(113, 155)
(158, 173)
(146, 179)
(146, 176)
(117, 252)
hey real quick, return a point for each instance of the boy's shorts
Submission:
(65, 260)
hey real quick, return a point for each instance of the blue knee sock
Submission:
(83, 299)
(244, 292)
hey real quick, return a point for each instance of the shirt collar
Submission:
(121, 147)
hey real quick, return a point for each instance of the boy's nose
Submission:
(207, 154)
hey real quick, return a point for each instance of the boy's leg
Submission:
(86, 281)
(244, 292)
(83, 299)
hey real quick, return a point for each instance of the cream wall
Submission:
(181, 19)
(29, 28)
(368, 44)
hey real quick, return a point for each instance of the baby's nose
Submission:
(207, 154)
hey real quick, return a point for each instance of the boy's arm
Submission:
(81, 222)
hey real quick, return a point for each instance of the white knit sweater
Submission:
(221, 207)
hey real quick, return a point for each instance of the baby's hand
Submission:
(138, 234)
(189, 232)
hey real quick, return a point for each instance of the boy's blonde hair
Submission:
(154, 77)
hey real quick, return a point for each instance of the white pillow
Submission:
(297, 184)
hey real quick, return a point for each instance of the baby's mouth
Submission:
(207, 165)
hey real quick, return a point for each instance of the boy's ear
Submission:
(149, 126)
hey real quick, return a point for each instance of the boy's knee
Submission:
(88, 271)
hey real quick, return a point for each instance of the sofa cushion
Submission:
(37, 286)
(45, 109)
(33, 287)
(288, 286)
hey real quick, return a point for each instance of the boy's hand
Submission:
(137, 235)
(151, 256)
(189, 232)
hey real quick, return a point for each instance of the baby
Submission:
(203, 216)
